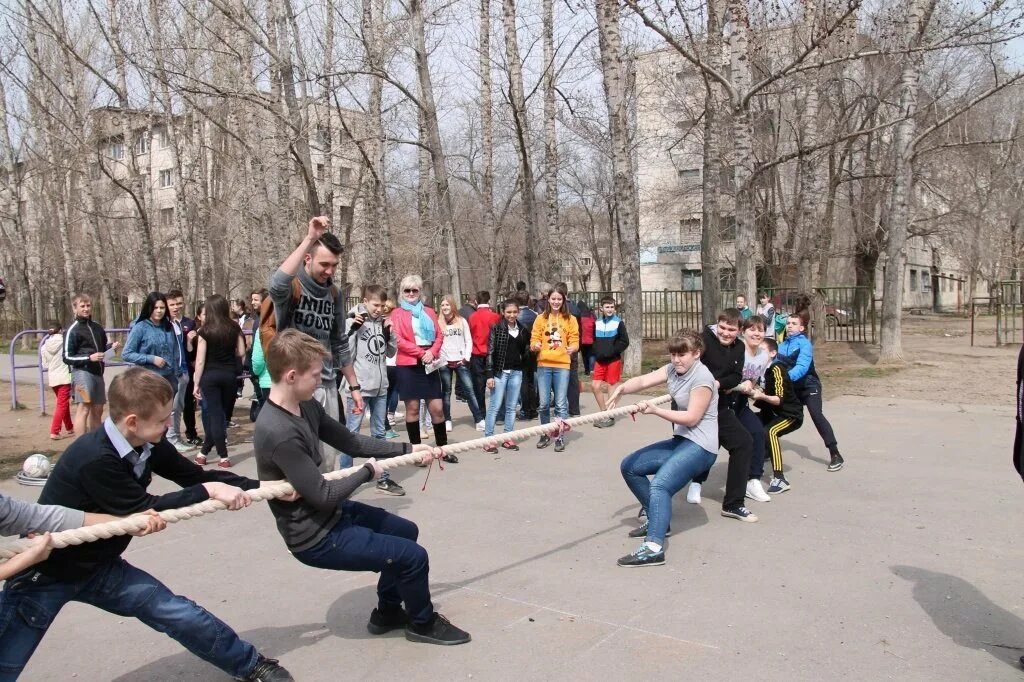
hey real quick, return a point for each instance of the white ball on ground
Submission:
(36, 466)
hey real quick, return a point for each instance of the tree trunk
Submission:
(487, 143)
(520, 120)
(614, 78)
(743, 153)
(808, 227)
(550, 132)
(445, 210)
(711, 215)
(903, 182)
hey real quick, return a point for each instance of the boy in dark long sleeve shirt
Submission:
(781, 413)
(108, 471)
(323, 528)
(723, 355)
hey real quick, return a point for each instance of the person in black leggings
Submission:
(220, 346)
(797, 354)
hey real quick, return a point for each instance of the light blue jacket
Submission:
(797, 354)
(146, 342)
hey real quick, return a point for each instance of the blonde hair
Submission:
(456, 318)
(411, 281)
(138, 391)
(292, 349)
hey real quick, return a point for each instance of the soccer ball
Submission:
(36, 466)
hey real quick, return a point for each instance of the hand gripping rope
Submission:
(274, 489)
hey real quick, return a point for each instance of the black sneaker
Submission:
(643, 556)
(389, 487)
(268, 670)
(195, 440)
(836, 462)
(544, 441)
(438, 631)
(641, 532)
(740, 514)
(383, 622)
(559, 444)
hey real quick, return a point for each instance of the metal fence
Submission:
(1009, 312)
(848, 313)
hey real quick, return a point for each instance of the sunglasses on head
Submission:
(411, 291)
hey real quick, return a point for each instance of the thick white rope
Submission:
(274, 489)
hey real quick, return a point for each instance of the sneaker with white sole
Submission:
(389, 487)
(835, 462)
(755, 491)
(641, 532)
(693, 493)
(448, 425)
(183, 447)
(778, 485)
(480, 425)
(643, 556)
(740, 514)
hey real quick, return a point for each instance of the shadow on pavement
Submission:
(964, 614)
(271, 642)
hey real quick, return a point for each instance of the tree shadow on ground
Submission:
(964, 614)
(272, 642)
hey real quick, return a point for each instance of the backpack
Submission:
(587, 324)
(268, 317)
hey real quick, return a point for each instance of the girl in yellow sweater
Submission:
(555, 337)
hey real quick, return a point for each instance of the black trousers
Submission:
(809, 393)
(478, 368)
(188, 411)
(737, 442)
(528, 399)
(219, 388)
(574, 386)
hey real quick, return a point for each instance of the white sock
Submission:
(653, 546)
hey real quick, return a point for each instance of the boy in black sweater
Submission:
(323, 528)
(108, 471)
(723, 355)
(781, 413)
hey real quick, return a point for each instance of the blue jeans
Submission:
(377, 406)
(31, 601)
(370, 539)
(549, 378)
(466, 380)
(673, 463)
(505, 391)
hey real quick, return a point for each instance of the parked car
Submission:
(787, 301)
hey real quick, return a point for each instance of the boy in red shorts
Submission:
(610, 342)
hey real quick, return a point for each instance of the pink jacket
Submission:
(401, 326)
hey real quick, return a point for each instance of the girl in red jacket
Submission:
(419, 340)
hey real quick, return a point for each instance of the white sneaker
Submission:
(183, 447)
(693, 493)
(448, 426)
(391, 418)
(755, 491)
(480, 425)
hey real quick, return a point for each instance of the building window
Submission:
(729, 229)
(323, 136)
(692, 280)
(913, 280)
(344, 136)
(167, 218)
(94, 171)
(142, 144)
(163, 138)
(689, 231)
(926, 282)
(166, 178)
(688, 175)
(727, 278)
(320, 172)
(727, 176)
(586, 262)
(344, 175)
(117, 150)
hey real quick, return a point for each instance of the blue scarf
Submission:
(422, 325)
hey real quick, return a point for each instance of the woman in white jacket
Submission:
(59, 378)
(456, 350)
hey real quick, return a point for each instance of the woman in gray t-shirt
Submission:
(672, 463)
